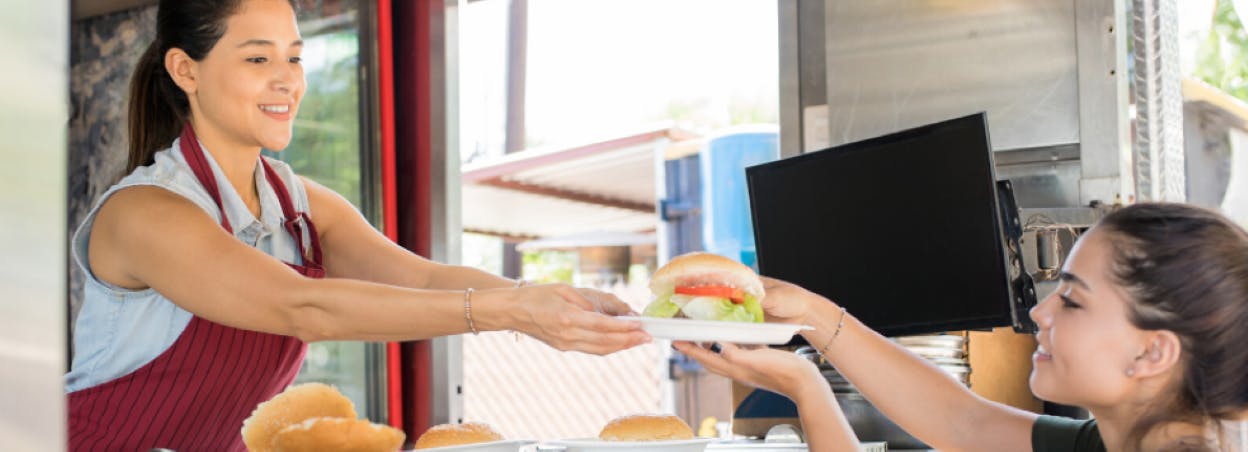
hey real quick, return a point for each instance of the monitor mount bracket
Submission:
(1022, 287)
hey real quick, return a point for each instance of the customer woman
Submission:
(1147, 331)
(210, 268)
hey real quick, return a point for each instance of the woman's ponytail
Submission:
(158, 108)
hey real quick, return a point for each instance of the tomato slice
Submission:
(736, 295)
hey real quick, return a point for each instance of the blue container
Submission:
(727, 229)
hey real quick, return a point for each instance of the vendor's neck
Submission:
(238, 161)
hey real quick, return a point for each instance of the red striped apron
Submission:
(195, 395)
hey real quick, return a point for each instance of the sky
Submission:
(600, 68)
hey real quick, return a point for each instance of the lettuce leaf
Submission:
(661, 307)
(753, 307)
(706, 308)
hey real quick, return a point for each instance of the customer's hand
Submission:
(568, 318)
(774, 370)
(786, 302)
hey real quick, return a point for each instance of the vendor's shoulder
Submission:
(147, 205)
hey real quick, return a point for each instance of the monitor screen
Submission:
(902, 230)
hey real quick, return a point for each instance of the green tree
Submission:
(1222, 60)
(549, 266)
(326, 142)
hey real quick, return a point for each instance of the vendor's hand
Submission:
(567, 318)
(774, 370)
(786, 302)
(606, 303)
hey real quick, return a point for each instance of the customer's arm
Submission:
(785, 373)
(924, 400)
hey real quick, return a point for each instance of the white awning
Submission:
(605, 186)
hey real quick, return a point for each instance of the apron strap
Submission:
(292, 220)
(199, 165)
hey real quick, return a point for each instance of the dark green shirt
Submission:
(1060, 434)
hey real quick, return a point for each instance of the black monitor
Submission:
(903, 230)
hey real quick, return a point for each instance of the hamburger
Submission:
(457, 434)
(706, 286)
(338, 434)
(646, 427)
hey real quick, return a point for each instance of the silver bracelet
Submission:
(468, 311)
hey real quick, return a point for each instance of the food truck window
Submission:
(328, 148)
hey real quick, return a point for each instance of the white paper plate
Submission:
(492, 446)
(756, 446)
(759, 446)
(713, 331)
(597, 445)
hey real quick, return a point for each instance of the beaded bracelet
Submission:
(468, 311)
(520, 282)
(840, 324)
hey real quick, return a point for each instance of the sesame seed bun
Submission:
(646, 427)
(456, 434)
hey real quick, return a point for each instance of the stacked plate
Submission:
(944, 350)
(948, 352)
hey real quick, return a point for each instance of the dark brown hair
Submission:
(1186, 270)
(158, 108)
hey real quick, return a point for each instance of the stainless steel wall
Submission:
(34, 39)
(1052, 75)
(896, 64)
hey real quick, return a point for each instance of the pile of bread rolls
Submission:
(641, 427)
(315, 417)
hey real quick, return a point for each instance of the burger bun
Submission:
(293, 406)
(705, 269)
(337, 434)
(457, 434)
(646, 427)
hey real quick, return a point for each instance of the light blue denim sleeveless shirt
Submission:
(119, 330)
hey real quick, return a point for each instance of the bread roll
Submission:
(646, 427)
(338, 434)
(456, 434)
(705, 269)
(294, 405)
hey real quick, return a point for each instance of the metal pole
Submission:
(1158, 148)
(517, 55)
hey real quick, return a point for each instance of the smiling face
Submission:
(1086, 341)
(247, 89)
